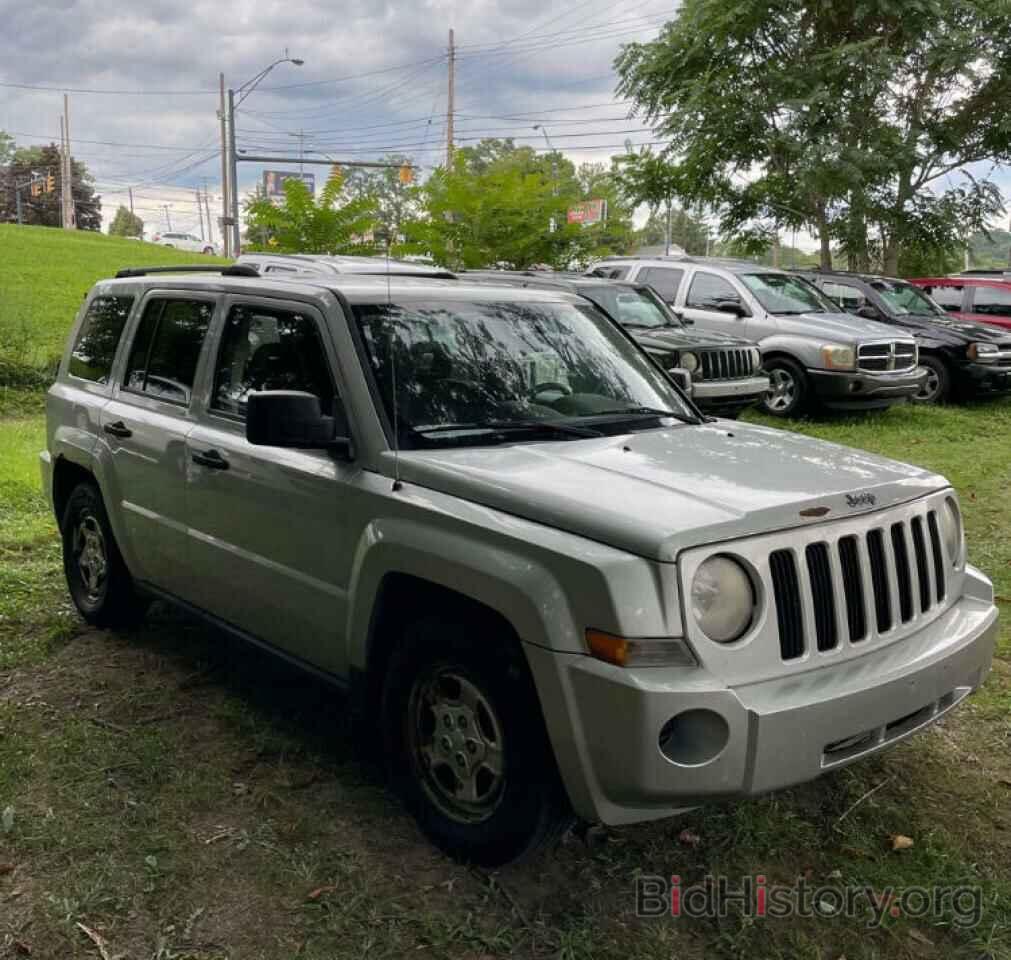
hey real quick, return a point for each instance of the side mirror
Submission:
(868, 312)
(292, 418)
(731, 306)
(683, 379)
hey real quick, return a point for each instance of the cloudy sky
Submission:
(143, 81)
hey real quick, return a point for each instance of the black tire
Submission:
(207, 251)
(99, 582)
(790, 390)
(937, 388)
(515, 812)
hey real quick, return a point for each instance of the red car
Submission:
(982, 297)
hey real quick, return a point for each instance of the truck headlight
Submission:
(951, 530)
(723, 599)
(837, 356)
(983, 351)
(689, 361)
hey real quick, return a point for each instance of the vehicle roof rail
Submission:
(227, 270)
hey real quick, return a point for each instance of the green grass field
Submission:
(181, 797)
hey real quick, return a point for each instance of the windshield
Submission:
(463, 368)
(904, 298)
(630, 306)
(782, 294)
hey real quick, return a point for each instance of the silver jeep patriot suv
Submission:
(546, 579)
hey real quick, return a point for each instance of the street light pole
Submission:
(235, 97)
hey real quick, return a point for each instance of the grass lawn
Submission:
(177, 797)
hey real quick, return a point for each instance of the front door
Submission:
(268, 545)
(145, 426)
(709, 302)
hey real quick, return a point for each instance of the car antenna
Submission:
(397, 485)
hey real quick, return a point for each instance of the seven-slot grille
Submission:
(878, 581)
(886, 357)
(733, 363)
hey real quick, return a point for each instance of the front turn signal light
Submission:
(625, 652)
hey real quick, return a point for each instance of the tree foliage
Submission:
(848, 120)
(301, 224)
(126, 224)
(45, 209)
(395, 202)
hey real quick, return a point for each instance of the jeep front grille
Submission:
(734, 363)
(886, 357)
(889, 565)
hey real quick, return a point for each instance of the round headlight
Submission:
(723, 599)
(951, 530)
(689, 361)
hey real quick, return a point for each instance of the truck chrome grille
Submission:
(733, 363)
(889, 566)
(886, 357)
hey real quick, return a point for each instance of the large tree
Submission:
(395, 201)
(301, 224)
(126, 224)
(847, 120)
(44, 209)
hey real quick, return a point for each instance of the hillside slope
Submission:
(44, 273)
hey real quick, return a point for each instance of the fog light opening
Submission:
(694, 738)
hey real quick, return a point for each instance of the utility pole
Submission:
(168, 218)
(450, 107)
(207, 211)
(129, 190)
(68, 193)
(225, 207)
(234, 176)
(200, 214)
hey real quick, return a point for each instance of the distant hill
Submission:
(44, 274)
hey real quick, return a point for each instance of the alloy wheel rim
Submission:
(782, 390)
(456, 744)
(931, 386)
(90, 555)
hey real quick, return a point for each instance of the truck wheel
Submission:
(100, 585)
(788, 388)
(465, 743)
(937, 386)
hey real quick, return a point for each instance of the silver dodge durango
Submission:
(547, 580)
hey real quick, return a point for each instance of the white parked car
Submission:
(184, 241)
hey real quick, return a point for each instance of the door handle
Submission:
(211, 459)
(118, 429)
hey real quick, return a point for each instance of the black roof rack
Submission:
(232, 270)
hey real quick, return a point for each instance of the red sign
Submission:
(589, 211)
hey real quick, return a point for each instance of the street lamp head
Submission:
(536, 126)
(297, 62)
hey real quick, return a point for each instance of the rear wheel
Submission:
(788, 388)
(937, 386)
(465, 742)
(99, 582)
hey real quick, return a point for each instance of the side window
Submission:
(849, 298)
(707, 290)
(664, 280)
(948, 297)
(266, 349)
(166, 347)
(96, 344)
(991, 301)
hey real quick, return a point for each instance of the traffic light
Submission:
(36, 187)
(406, 173)
(50, 183)
(335, 172)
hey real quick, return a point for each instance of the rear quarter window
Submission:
(98, 338)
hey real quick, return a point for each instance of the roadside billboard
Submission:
(274, 181)
(589, 211)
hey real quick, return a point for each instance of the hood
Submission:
(841, 327)
(658, 339)
(963, 331)
(657, 492)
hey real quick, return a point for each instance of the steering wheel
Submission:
(551, 385)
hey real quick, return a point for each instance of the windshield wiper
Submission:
(645, 412)
(552, 427)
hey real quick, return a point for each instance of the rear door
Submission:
(145, 425)
(990, 304)
(666, 281)
(269, 550)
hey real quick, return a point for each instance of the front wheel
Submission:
(937, 386)
(788, 388)
(100, 584)
(466, 745)
(208, 250)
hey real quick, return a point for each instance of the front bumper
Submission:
(606, 722)
(848, 390)
(983, 378)
(723, 394)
